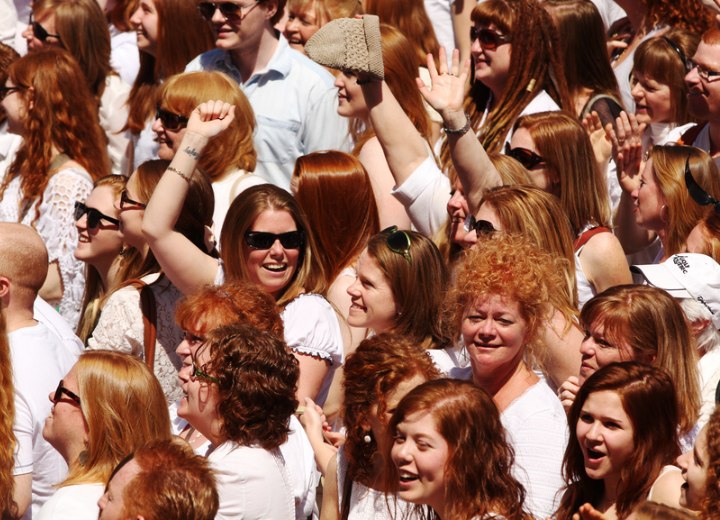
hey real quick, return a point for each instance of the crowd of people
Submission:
(359, 259)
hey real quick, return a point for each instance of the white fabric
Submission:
(440, 14)
(299, 462)
(537, 430)
(542, 102)
(56, 226)
(124, 54)
(709, 369)
(8, 22)
(425, 195)
(225, 191)
(452, 362)
(23, 15)
(367, 503)
(252, 483)
(113, 116)
(312, 328)
(9, 144)
(73, 503)
(666, 469)
(121, 328)
(48, 316)
(295, 105)
(610, 12)
(145, 147)
(39, 362)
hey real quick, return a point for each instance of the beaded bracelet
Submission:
(459, 131)
(188, 178)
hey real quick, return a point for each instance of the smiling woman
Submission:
(623, 435)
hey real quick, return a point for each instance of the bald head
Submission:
(23, 257)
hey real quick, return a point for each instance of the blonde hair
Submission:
(124, 408)
(327, 10)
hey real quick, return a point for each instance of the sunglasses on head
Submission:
(125, 200)
(39, 31)
(263, 240)
(93, 216)
(170, 120)
(229, 10)
(60, 390)
(488, 39)
(698, 194)
(398, 242)
(527, 158)
(481, 227)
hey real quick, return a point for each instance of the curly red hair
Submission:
(61, 113)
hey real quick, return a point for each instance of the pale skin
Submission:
(186, 266)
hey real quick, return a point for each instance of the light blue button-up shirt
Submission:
(295, 105)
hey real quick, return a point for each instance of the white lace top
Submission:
(121, 328)
(56, 226)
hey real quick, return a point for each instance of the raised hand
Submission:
(211, 118)
(447, 90)
(601, 143)
(588, 512)
(567, 392)
(626, 140)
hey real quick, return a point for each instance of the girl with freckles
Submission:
(623, 442)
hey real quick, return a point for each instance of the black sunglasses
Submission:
(527, 158)
(489, 40)
(60, 390)
(170, 120)
(39, 31)
(93, 216)
(263, 240)
(6, 91)
(698, 194)
(398, 242)
(481, 227)
(228, 9)
(127, 201)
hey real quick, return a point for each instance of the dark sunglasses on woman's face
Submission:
(489, 40)
(170, 120)
(93, 216)
(527, 158)
(698, 194)
(125, 200)
(262, 240)
(481, 227)
(60, 390)
(39, 31)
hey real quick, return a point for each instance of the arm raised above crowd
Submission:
(187, 267)
(447, 95)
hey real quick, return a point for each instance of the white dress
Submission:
(121, 328)
(56, 226)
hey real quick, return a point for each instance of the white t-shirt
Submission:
(39, 362)
(77, 502)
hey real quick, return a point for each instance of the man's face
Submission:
(242, 31)
(111, 504)
(704, 94)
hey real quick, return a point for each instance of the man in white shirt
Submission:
(39, 359)
(294, 99)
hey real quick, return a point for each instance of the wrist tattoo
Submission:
(192, 152)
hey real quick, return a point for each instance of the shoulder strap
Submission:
(689, 136)
(587, 235)
(149, 312)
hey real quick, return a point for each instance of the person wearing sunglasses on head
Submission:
(100, 245)
(293, 99)
(265, 240)
(107, 406)
(71, 25)
(62, 152)
(229, 158)
(137, 316)
(169, 34)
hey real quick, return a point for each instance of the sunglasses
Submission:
(524, 156)
(481, 227)
(39, 31)
(698, 194)
(398, 242)
(262, 240)
(60, 390)
(170, 120)
(6, 91)
(198, 373)
(127, 201)
(489, 40)
(93, 216)
(229, 10)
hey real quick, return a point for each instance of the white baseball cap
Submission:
(687, 275)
